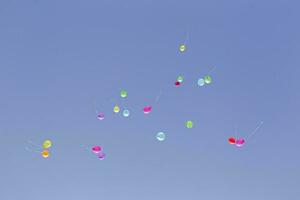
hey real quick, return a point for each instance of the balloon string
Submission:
(255, 130)
(101, 105)
(85, 147)
(162, 91)
(33, 144)
(32, 150)
(158, 96)
(186, 38)
(235, 130)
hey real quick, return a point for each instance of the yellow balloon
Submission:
(47, 144)
(182, 48)
(45, 153)
(116, 109)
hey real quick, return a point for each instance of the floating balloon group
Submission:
(98, 151)
(160, 136)
(237, 142)
(206, 80)
(180, 79)
(46, 145)
(116, 108)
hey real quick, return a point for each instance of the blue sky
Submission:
(63, 60)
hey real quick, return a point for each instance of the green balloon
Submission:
(207, 79)
(47, 144)
(182, 48)
(189, 124)
(123, 94)
(161, 136)
(180, 79)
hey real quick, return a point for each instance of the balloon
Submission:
(100, 116)
(189, 124)
(126, 113)
(182, 48)
(101, 155)
(207, 79)
(180, 79)
(47, 144)
(177, 84)
(231, 140)
(116, 109)
(123, 94)
(240, 142)
(96, 149)
(45, 153)
(201, 82)
(147, 109)
(161, 136)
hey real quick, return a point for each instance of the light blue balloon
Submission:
(201, 82)
(161, 136)
(126, 113)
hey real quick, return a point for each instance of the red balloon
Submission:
(177, 83)
(231, 140)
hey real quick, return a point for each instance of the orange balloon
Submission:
(45, 153)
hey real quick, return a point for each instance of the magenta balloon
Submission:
(147, 109)
(96, 149)
(101, 155)
(240, 142)
(100, 116)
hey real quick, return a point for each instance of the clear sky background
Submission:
(60, 60)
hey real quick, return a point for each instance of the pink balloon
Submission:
(101, 155)
(96, 149)
(240, 142)
(147, 109)
(100, 116)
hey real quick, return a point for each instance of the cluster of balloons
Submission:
(147, 109)
(206, 80)
(201, 81)
(179, 81)
(125, 112)
(116, 108)
(46, 145)
(161, 136)
(238, 142)
(98, 151)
